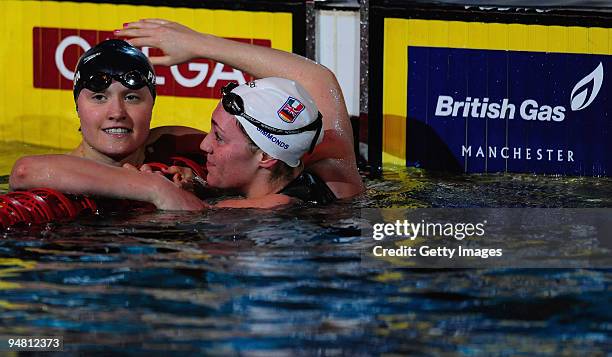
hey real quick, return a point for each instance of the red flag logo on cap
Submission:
(290, 110)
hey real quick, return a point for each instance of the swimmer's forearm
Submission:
(181, 44)
(71, 174)
(75, 175)
(260, 61)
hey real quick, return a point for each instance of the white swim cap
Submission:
(278, 115)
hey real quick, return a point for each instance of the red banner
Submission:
(57, 51)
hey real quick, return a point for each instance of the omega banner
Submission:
(43, 40)
(529, 93)
(57, 51)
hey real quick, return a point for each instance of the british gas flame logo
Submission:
(586, 90)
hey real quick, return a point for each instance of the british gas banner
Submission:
(512, 111)
(41, 41)
(527, 93)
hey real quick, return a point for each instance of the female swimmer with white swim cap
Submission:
(269, 114)
(260, 133)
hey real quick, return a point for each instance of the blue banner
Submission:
(497, 111)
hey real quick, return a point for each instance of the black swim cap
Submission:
(113, 59)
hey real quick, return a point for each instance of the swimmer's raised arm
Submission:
(76, 175)
(181, 44)
(333, 160)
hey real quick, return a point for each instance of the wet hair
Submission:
(115, 58)
(280, 171)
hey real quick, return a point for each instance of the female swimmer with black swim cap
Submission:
(114, 92)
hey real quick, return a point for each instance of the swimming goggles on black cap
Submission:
(99, 81)
(113, 59)
(234, 105)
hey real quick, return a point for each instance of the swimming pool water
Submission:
(293, 282)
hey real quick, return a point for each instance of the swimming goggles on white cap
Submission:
(234, 105)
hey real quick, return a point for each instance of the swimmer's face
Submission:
(230, 162)
(115, 122)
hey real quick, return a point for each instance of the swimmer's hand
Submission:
(166, 194)
(179, 43)
(183, 177)
(175, 199)
(143, 168)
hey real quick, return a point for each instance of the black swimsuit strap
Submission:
(309, 187)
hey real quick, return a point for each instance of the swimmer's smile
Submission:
(118, 132)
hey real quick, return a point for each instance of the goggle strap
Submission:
(272, 130)
(228, 88)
